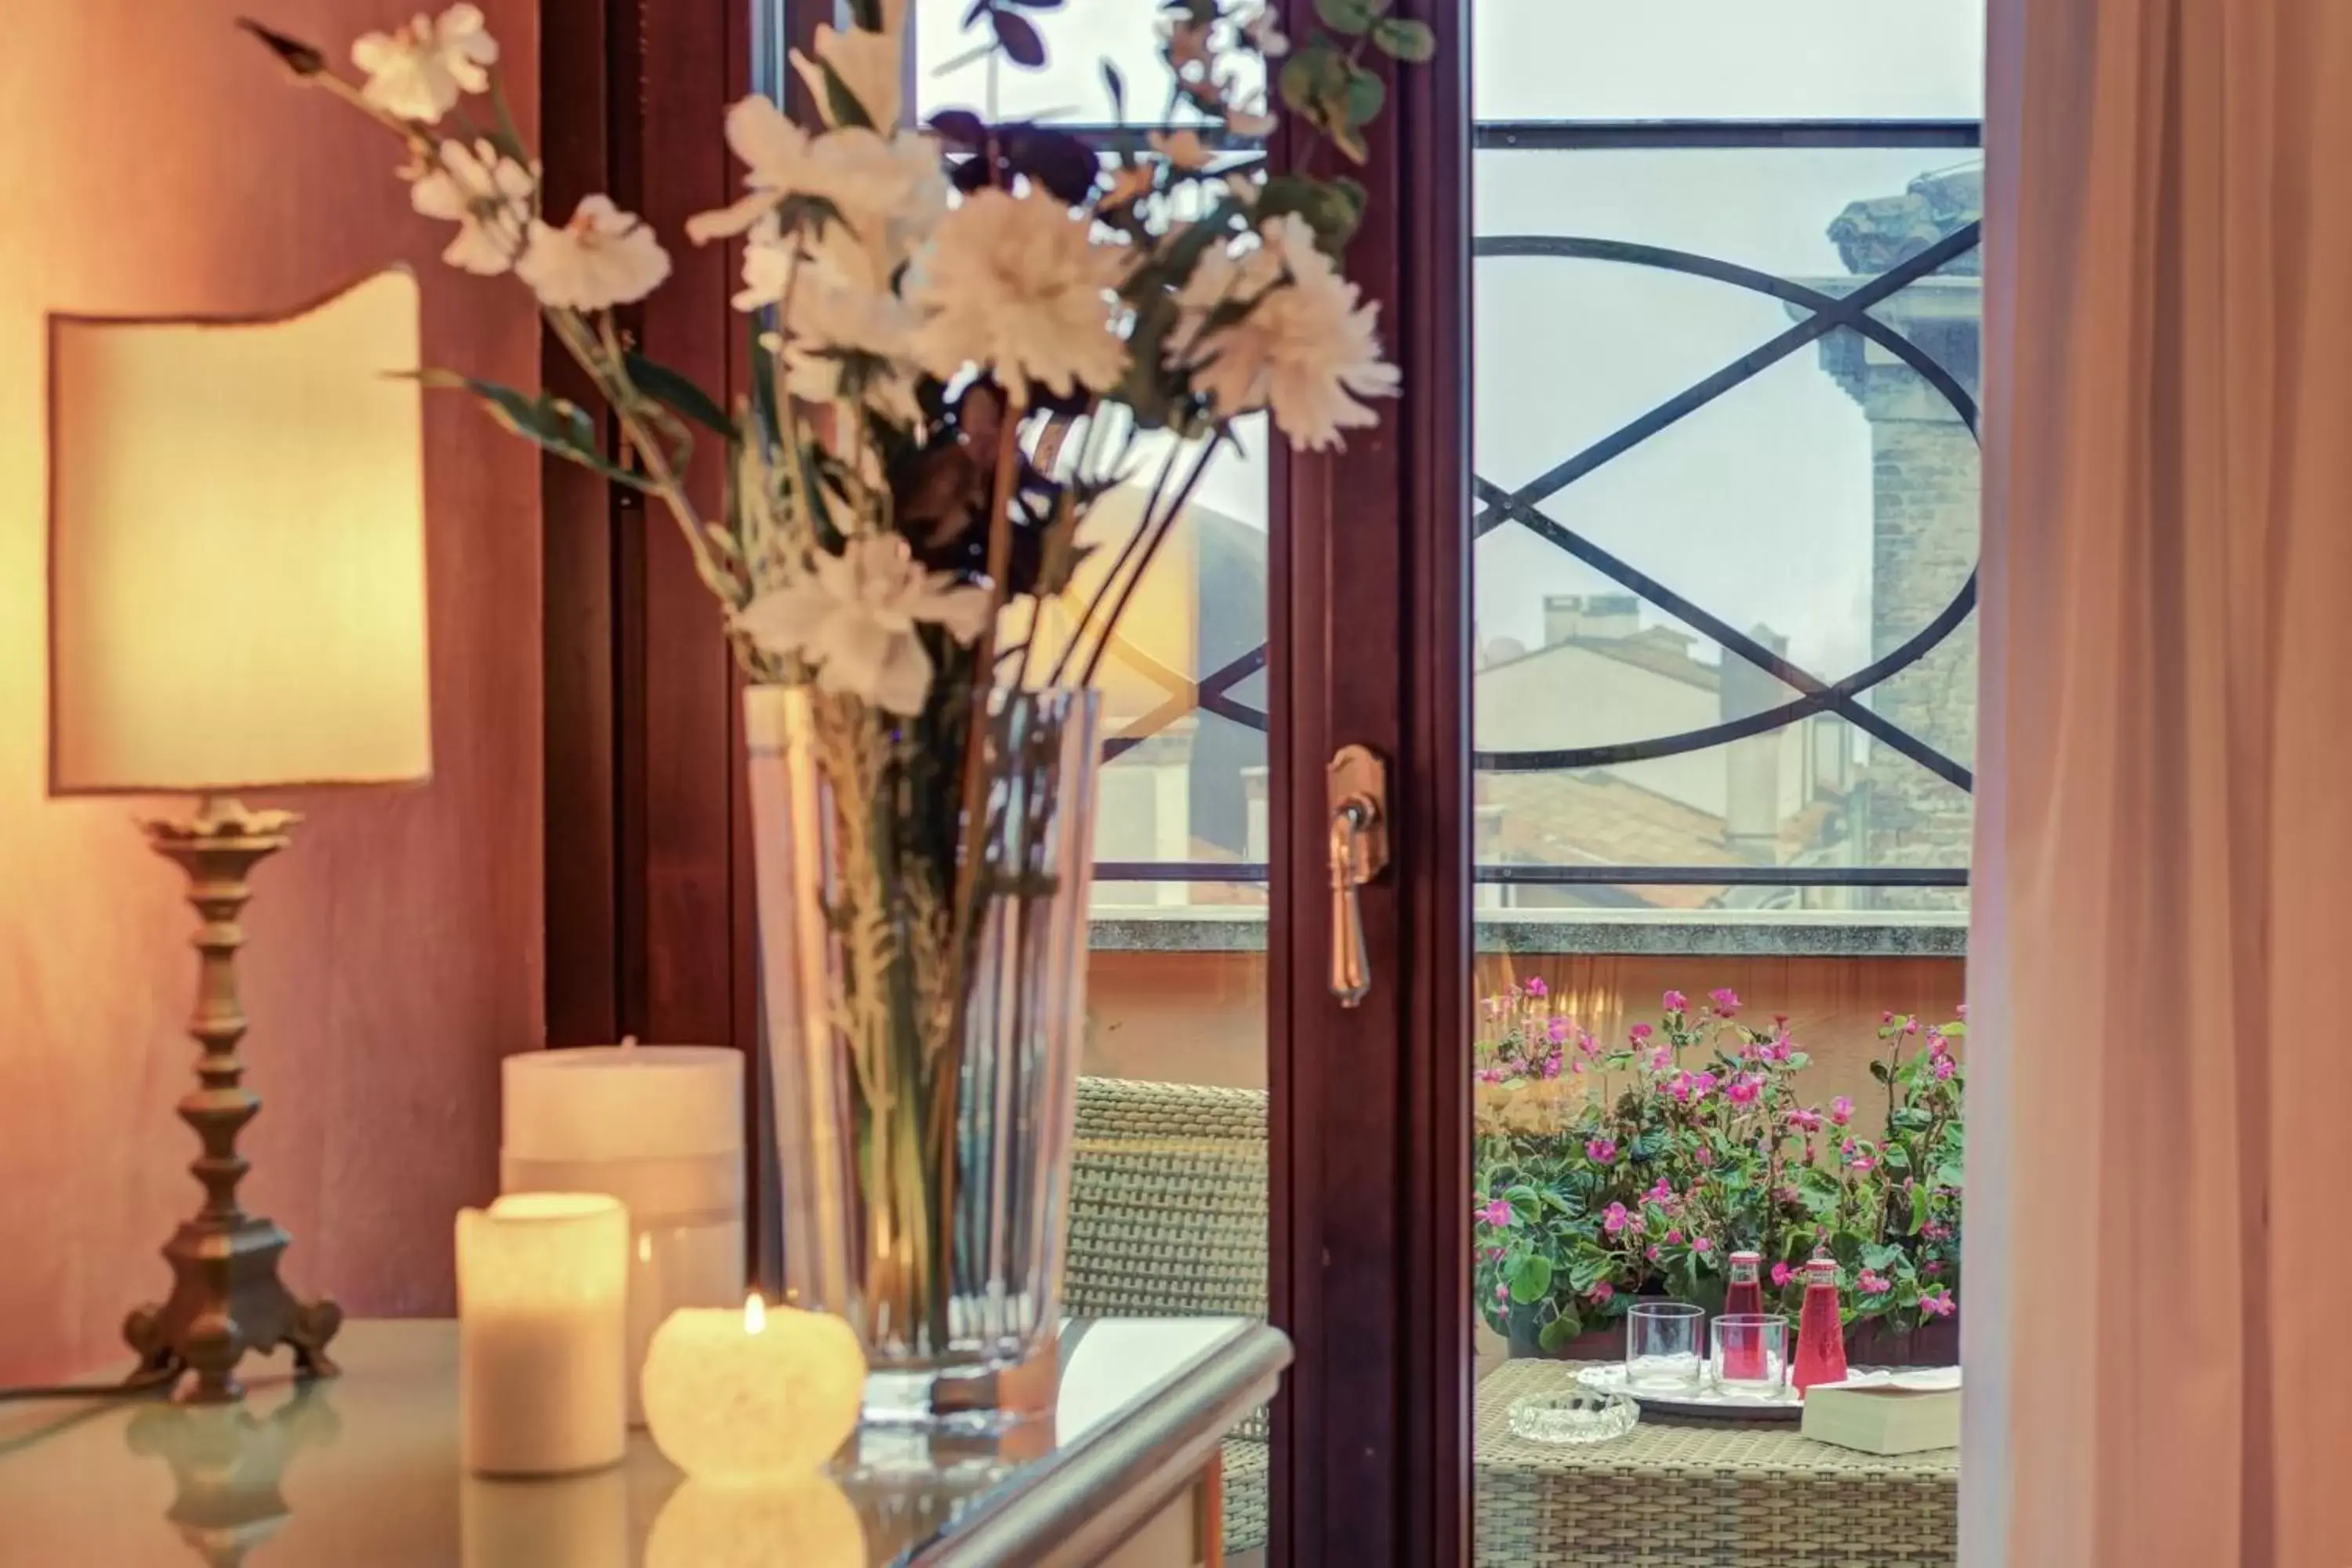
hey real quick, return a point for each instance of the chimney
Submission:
(1751, 794)
(1593, 617)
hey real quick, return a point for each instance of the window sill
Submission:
(1715, 934)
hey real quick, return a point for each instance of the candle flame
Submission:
(755, 1313)
(645, 1247)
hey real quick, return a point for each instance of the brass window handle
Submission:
(1356, 785)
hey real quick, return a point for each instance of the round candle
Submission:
(751, 1395)
(659, 1128)
(542, 1360)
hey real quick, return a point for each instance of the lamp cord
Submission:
(128, 1388)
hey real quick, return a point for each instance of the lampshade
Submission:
(236, 550)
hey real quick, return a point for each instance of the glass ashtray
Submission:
(1577, 1415)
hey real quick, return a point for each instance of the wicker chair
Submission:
(1167, 1213)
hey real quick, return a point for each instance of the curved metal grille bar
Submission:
(1827, 313)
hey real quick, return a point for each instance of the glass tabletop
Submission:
(362, 1469)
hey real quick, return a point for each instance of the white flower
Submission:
(603, 257)
(890, 189)
(417, 70)
(1307, 350)
(868, 66)
(1187, 47)
(1252, 122)
(835, 306)
(854, 617)
(1184, 149)
(1263, 28)
(486, 194)
(1017, 284)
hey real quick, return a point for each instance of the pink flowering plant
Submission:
(1605, 1174)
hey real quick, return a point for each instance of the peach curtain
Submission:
(2159, 1299)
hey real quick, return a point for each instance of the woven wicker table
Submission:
(1689, 1494)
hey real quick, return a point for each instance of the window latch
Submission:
(1357, 789)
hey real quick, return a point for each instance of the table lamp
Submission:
(237, 602)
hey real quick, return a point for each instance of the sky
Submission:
(1758, 506)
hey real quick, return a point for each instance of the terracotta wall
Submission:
(1199, 1017)
(151, 160)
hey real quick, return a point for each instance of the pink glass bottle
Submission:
(1820, 1330)
(1743, 1353)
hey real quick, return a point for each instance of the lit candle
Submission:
(659, 1128)
(765, 1393)
(541, 1380)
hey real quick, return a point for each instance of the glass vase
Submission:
(922, 940)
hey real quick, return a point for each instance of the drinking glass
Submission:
(1663, 1345)
(1751, 1352)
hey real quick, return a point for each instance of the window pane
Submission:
(1728, 59)
(1070, 87)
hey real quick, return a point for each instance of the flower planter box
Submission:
(1930, 1344)
(1866, 1343)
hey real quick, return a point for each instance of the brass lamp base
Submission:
(227, 1299)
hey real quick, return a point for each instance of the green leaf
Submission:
(301, 58)
(841, 104)
(507, 137)
(1530, 1280)
(1558, 1332)
(675, 391)
(1350, 16)
(1311, 74)
(1401, 38)
(1951, 1173)
(557, 424)
(1881, 1256)
(1332, 209)
(1365, 93)
(1918, 1209)
(1879, 1071)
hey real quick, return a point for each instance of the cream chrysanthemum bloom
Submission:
(836, 302)
(854, 617)
(603, 257)
(487, 195)
(1305, 351)
(418, 70)
(1017, 284)
(890, 189)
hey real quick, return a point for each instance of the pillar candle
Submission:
(659, 1128)
(541, 1315)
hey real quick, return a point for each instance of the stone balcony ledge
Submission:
(1795, 934)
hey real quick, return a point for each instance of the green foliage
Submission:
(557, 424)
(1647, 1165)
(1350, 16)
(1334, 209)
(1401, 38)
(675, 391)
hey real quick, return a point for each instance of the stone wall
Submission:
(1923, 486)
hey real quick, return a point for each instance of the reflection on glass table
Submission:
(1119, 1466)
